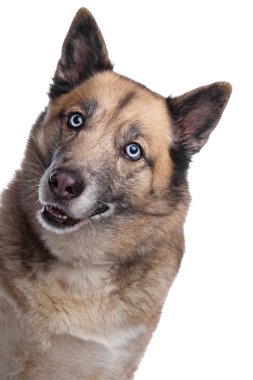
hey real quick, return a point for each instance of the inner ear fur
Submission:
(84, 53)
(196, 113)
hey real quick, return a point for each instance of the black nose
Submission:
(65, 184)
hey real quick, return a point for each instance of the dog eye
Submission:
(75, 120)
(133, 151)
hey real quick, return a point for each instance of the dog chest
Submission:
(86, 306)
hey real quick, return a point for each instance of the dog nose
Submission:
(65, 185)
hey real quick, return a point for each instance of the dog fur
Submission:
(81, 301)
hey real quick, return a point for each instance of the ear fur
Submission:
(83, 54)
(196, 114)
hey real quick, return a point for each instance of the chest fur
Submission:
(86, 305)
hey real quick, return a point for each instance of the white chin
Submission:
(59, 230)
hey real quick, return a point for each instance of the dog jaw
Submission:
(61, 227)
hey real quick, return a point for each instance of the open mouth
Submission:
(58, 218)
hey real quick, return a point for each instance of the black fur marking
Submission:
(87, 107)
(150, 161)
(125, 100)
(58, 87)
(133, 132)
(178, 184)
(128, 135)
(179, 152)
(181, 160)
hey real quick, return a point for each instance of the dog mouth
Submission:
(58, 218)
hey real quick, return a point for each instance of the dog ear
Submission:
(196, 114)
(83, 54)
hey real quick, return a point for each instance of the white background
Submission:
(206, 328)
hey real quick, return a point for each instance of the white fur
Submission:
(61, 231)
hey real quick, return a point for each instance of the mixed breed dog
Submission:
(91, 226)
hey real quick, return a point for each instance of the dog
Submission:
(91, 226)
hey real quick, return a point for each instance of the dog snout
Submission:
(65, 184)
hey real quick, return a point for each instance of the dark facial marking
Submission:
(125, 100)
(132, 134)
(90, 106)
(181, 161)
(150, 161)
(123, 103)
(128, 135)
(58, 87)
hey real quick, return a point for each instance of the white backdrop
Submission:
(206, 328)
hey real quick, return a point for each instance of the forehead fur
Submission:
(119, 103)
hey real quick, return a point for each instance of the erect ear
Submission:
(196, 114)
(83, 54)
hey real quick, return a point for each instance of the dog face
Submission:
(110, 140)
(107, 146)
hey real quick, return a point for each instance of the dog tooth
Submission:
(54, 213)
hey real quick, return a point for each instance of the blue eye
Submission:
(75, 120)
(133, 151)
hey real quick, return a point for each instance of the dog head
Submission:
(106, 146)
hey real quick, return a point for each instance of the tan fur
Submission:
(88, 294)
(83, 304)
